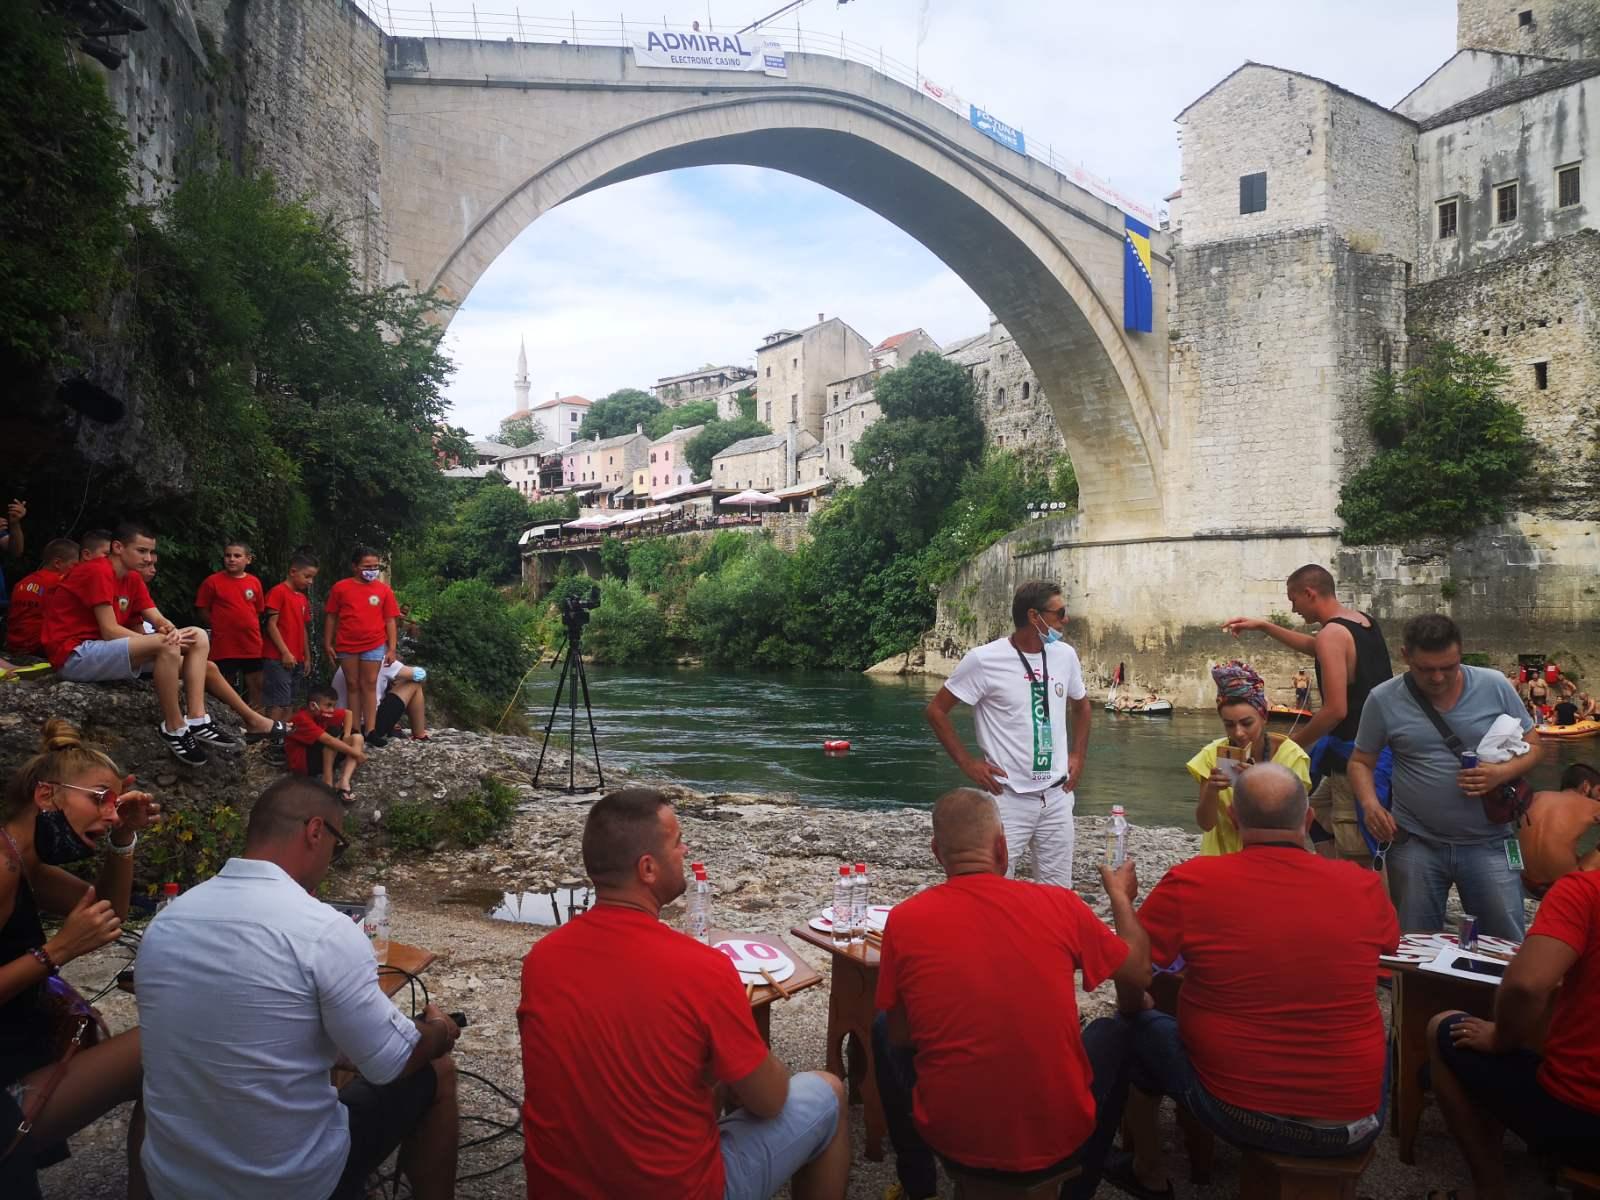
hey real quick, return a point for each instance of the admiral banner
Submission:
(708, 52)
(992, 126)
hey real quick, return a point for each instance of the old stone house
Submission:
(794, 367)
(766, 462)
(851, 408)
(704, 384)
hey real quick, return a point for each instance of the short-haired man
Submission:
(249, 990)
(978, 1052)
(1257, 1052)
(1509, 1073)
(1351, 659)
(627, 1028)
(1554, 825)
(1438, 825)
(25, 625)
(1020, 687)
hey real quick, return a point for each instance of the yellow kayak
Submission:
(1580, 729)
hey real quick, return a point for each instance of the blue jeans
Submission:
(1161, 1066)
(1107, 1042)
(759, 1157)
(1420, 875)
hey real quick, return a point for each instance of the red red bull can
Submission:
(1467, 932)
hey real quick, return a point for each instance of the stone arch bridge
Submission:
(482, 138)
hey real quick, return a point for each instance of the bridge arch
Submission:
(1045, 256)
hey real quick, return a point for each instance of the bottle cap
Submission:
(379, 890)
(697, 866)
(169, 889)
(1118, 810)
(861, 868)
(845, 870)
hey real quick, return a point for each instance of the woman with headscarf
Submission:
(1242, 706)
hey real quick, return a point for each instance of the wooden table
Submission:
(1419, 996)
(761, 1000)
(409, 959)
(852, 1007)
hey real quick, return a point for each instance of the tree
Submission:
(746, 400)
(685, 416)
(619, 413)
(520, 431)
(717, 437)
(915, 455)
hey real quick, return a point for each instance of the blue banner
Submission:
(997, 129)
(1138, 287)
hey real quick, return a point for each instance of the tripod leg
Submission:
(594, 740)
(554, 708)
(576, 654)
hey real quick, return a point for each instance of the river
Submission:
(720, 730)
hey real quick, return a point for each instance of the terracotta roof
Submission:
(578, 400)
(889, 343)
(1514, 91)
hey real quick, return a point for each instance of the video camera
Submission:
(575, 611)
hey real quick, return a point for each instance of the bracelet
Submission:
(45, 961)
(122, 851)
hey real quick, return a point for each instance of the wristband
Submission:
(122, 851)
(45, 961)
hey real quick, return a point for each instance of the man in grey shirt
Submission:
(1439, 832)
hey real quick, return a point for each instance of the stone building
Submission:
(608, 462)
(667, 468)
(1014, 410)
(851, 407)
(794, 368)
(766, 462)
(704, 384)
(521, 467)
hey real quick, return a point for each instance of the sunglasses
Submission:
(340, 842)
(1053, 612)
(102, 796)
(1380, 855)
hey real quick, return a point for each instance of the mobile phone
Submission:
(1236, 753)
(1479, 967)
(460, 1018)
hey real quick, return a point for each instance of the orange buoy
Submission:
(836, 745)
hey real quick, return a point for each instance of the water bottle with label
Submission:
(697, 920)
(376, 923)
(169, 893)
(858, 905)
(1117, 837)
(843, 901)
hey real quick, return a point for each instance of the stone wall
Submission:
(1496, 25)
(1540, 307)
(1373, 167)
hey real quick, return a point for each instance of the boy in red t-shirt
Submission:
(26, 622)
(288, 617)
(360, 634)
(232, 602)
(311, 745)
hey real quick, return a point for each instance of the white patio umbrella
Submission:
(750, 499)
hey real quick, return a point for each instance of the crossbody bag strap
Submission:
(1426, 705)
(41, 1097)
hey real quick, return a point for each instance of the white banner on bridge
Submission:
(708, 52)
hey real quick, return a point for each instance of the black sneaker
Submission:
(376, 741)
(214, 736)
(183, 746)
(275, 733)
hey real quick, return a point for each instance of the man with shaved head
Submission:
(1257, 1054)
(978, 1053)
(249, 989)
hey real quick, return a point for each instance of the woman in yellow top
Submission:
(1242, 705)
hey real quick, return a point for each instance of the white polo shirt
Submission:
(249, 988)
(991, 679)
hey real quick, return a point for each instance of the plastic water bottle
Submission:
(858, 906)
(697, 920)
(169, 893)
(1117, 837)
(376, 923)
(844, 893)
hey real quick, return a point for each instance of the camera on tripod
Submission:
(575, 611)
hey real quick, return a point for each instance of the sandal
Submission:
(346, 796)
(421, 737)
(1118, 1172)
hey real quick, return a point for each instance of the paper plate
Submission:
(750, 957)
(1498, 945)
(877, 918)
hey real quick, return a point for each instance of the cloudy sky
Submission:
(609, 291)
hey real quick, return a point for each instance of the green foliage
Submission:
(914, 457)
(614, 557)
(653, 561)
(626, 628)
(521, 431)
(477, 538)
(992, 500)
(685, 416)
(478, 645)
(618, 413)
(746, 400)
(715, 438)
(468, 820)
(737, 613)
(63, 211)
(1451, 451)
(189, 846)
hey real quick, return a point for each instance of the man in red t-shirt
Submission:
(1491, 1076)
(1256, 1054)
(26, 623)
(232, 602)
(627, 1027)
(977, 1048)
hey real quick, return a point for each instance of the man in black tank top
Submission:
(1351, 659)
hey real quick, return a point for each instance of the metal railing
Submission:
(498, 25)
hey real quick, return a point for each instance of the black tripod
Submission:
(574, 615)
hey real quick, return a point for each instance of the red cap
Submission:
(845, 870)
(169, 889)
(861, 868)
(697, 866)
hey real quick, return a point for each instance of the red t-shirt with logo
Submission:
(69, 606)
(294, 614)
(1279, 1009)
(984, 967)
(1570, 913)
(25, 626)
(362, 608)
(305, 730)
(235, 603)
(621, 1020)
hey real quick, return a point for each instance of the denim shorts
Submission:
(279, 684)
(759, 1157)
(375, 654)
(100, 662)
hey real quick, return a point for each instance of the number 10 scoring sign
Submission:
(751, 958)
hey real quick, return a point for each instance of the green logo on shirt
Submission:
(1044, 745)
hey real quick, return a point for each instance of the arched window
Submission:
(999, 395)
(1027, 389)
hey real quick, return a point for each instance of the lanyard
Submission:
(1044, 670)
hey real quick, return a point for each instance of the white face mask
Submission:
(370, 574)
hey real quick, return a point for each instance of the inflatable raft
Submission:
(1580, 729)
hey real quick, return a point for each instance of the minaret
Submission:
(521, 381)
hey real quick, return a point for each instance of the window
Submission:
(769, 372)
(999, 395)
(1027, 390)
(1541, 375)
(1525, 19)
(769, 414)
(652, 456)
(1505, 203)
(1448, 214)
(573, 417)
(796, 362)
(1567, 190)
(1253, 193)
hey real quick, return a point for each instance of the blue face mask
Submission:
(371, 576)
(1049, 636)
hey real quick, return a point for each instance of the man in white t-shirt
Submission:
(1020, 688)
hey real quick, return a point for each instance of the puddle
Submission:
(542, 908)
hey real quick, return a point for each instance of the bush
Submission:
(626, 628)
(477, 642)
(189, 846)
(737, 614)
(654, 563)
(468, 820)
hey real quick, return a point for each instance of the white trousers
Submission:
(1042, 820)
